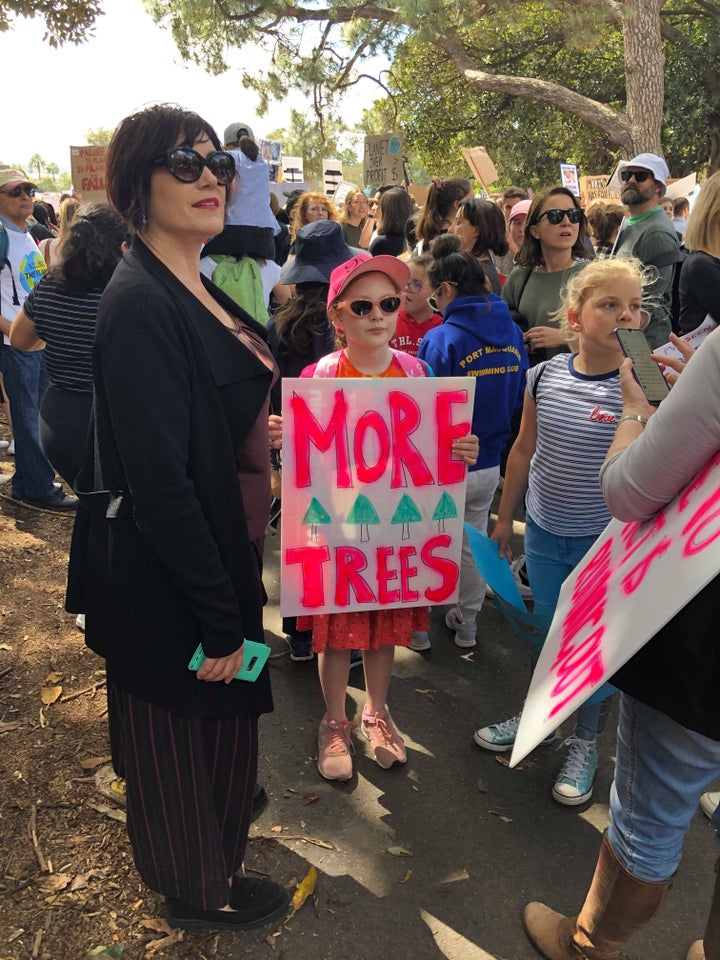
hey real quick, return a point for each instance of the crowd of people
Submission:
(145, 344)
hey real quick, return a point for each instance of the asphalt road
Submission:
(483, 839)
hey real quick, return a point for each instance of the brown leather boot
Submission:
(709, 947)
(617, 905)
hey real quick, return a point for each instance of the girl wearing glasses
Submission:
(363, 302)
(416, 316)
(166, 551)
(555, 247)
(572, 407)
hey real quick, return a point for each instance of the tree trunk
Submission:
(644, 74)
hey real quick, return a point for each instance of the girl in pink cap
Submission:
(363, 303)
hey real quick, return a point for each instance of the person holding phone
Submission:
(668, 742)
(166, 551)
(572, 407)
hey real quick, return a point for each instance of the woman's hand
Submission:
(223, 669)
(634, 400)
(275, 430)
(468, 448)
(672, 367)
(538, 338)
(501, 535)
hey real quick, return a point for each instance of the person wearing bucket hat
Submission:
(363, 300)
(319, 248)
(650, 236)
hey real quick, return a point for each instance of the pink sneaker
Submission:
(387, 744)
(335, 749)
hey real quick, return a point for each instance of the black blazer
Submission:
(166, 562)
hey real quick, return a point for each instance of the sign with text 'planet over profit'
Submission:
(373, 498)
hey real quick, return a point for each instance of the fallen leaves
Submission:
(89, 763)
(172, 935)
(305, 889)
(111, 812)
(406, 876)
(399, 851)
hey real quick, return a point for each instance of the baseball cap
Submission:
(13, 176)
(343, 275)
(652, 162)
(236, 130)
(520, 209)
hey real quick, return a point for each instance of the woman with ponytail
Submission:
(443, 200)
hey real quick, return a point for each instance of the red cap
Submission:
(341, 276)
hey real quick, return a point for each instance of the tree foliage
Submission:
(306, 137)
(99, 136)
(65, 20)
(323, 50)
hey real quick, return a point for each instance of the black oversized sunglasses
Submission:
(186, 165)
(363, 308)
(556, 216)
(640, 175)
(20, 190)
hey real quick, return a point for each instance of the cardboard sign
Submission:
(478, 159)
(597, 187)
(332, 176)
(341, 191)
(383, 160)
(635, 578)
(87, 169)
(569, 178)
(373, 499)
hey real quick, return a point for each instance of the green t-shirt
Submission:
(539, 297)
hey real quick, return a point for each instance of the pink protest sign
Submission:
(626, 588)
(373, 498)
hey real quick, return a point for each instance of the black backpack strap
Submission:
(543, 368)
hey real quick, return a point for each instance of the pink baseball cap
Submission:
(520, 209)
(391, 267)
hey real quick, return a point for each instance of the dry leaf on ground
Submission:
(399, 851)
(305, 889)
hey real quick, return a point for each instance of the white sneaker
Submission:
(464, 632)
(709, 803)
(4, 444)
(520, 576)
(11, 449)
(80, 622)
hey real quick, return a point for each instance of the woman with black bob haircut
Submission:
(174, 500)
(554, 248)
(478, 339)
(394, 210)
(62, 312)
(481, 228)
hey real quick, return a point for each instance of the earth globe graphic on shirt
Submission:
(32, 268)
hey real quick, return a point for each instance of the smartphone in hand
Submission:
(648, 374)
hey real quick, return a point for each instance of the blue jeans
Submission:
(550, 559)
(26, 381)
(661, 770)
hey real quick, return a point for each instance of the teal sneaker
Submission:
(500, 737)
(574, 784)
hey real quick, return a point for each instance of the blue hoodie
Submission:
(478, 339)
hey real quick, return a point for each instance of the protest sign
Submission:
(271, 152)
(373, 499)
(694, 338)
(419, 192)
(597, 187)
(478, 159)
(632, 581)
(87, 169)
(341, 191)
(292, 169)
(569, 178)
(383, 160)
(332, 176)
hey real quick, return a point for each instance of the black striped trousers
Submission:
(190, 784)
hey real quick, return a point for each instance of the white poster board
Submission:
(293, 170)
(332, 175)
(632, 581)
(569, 178)
(373, 498)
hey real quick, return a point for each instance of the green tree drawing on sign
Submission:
(314, 515)
(406, 513)
(446, 509)
(363, 513)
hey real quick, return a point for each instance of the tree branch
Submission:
(611, 122)
(367, 11)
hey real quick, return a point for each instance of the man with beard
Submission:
(650, 235)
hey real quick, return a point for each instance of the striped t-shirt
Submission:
(66, 322)
(576, 419)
